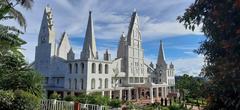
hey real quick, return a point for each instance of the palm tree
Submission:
(8, 11)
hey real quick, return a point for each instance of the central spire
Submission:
(89, 50)
(134, 31)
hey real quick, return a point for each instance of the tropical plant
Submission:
(115, 103)
(18, 100)
(8, 11)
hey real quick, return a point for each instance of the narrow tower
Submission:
(161, 67)
(89, 50)
(161, 56)
(46, 48)
(134, 52)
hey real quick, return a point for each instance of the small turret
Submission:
(70, 55)
(122, 46)
(171, 66)
(107, 56)
(151, 65)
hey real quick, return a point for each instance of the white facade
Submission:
(126, 77)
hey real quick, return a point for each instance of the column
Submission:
(72, 93)
(162, 94)
(102, 93)
(64, 94)
(137, 94)
(129, 94)
(151, 94)
(110, 94)
(120, 94)
(166, 91)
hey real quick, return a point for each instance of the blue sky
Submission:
(111, 18)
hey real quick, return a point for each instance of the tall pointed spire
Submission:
(47, 33)
(161, 55)
(133, 31)
(89, 47)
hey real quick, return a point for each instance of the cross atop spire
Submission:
(89, 50)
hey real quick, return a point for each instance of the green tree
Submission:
(191, 87)
(17, 79)
(219, 20)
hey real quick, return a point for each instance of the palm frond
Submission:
(26, 3)
(10, 36)
(19, 17)
(7, 17)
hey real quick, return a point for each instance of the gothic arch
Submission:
(100, 68)
(76, 68)
(69, 83)
(70, 68)
(106, 68)
(100, 83)
(75, 81)
(82, 68)
(106, 83)
(93, 68)
(82, 82)
(93, 83)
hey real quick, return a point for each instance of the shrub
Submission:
(6, 99)
(54, 95)
(70, 98)
(25, 101)
(18, 100)
(115, 103)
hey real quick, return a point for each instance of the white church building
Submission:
(126, 77)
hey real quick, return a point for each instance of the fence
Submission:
(65, 105)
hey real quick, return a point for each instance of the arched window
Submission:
(93, 84)
(82, 68)
(70, 68)
(106, 68)
(93, 68)
(100, 68)
(82, 83)
(100, 83)
(76, 68)
(75, 81)
(69, 82)
(106, 83)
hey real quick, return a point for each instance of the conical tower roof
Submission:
(89, 47)
(161, 55)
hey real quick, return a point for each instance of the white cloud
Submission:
(191, 66)
(156, 29)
